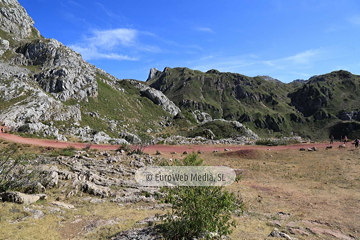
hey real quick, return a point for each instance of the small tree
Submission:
(198, 211)
(139, 147)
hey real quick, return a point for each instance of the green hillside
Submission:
(270, 108)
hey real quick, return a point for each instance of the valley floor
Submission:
(289, 193)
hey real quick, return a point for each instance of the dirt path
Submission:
(152, 148)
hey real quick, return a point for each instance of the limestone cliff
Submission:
(46, 87)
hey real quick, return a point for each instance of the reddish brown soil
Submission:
(152, 148)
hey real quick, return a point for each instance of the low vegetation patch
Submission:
(276, 141)
(198, 212)
(219, 128)
(13, 170)
(68, 152)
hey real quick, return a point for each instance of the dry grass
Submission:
(318, 187)
(87, 221)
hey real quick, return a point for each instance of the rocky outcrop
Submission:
(349, 116)
(153, 73)
(21, 198)
(310, 99)
(147, 233)
(157, 97)
(4, 46)
(63, 72)
(202, 117)
(15, 20)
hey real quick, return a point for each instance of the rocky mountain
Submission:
(48, 89)
(315, 108)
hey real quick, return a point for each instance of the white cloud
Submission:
(300, 60)
(91, 53)
(304, 57)
(113, 44)
(108, 39)
(204, 29)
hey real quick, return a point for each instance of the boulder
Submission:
(202, 117)
(21, 198)
(52, 180)
(4, 46)
(94, 189)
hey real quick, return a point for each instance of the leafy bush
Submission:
(139, 147)
(24, 128)
(198, 211)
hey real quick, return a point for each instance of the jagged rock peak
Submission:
(153, 72)
(15, 20)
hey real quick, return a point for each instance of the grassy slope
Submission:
(133, 112)
(226, 95)
(266, 107)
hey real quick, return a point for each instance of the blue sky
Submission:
(285, 39)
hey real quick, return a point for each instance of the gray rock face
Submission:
(64, 73)
(39, 76)
(130, 137)
(157, 97)
(94, 189)
(248, 133)
(4, 46)
(153, 72)
(202, 117)
(34, 106)
(15, 20)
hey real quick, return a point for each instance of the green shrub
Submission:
(198, 211)
(24, 128)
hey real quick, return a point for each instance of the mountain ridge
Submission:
(48, 89)
(283, 108)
